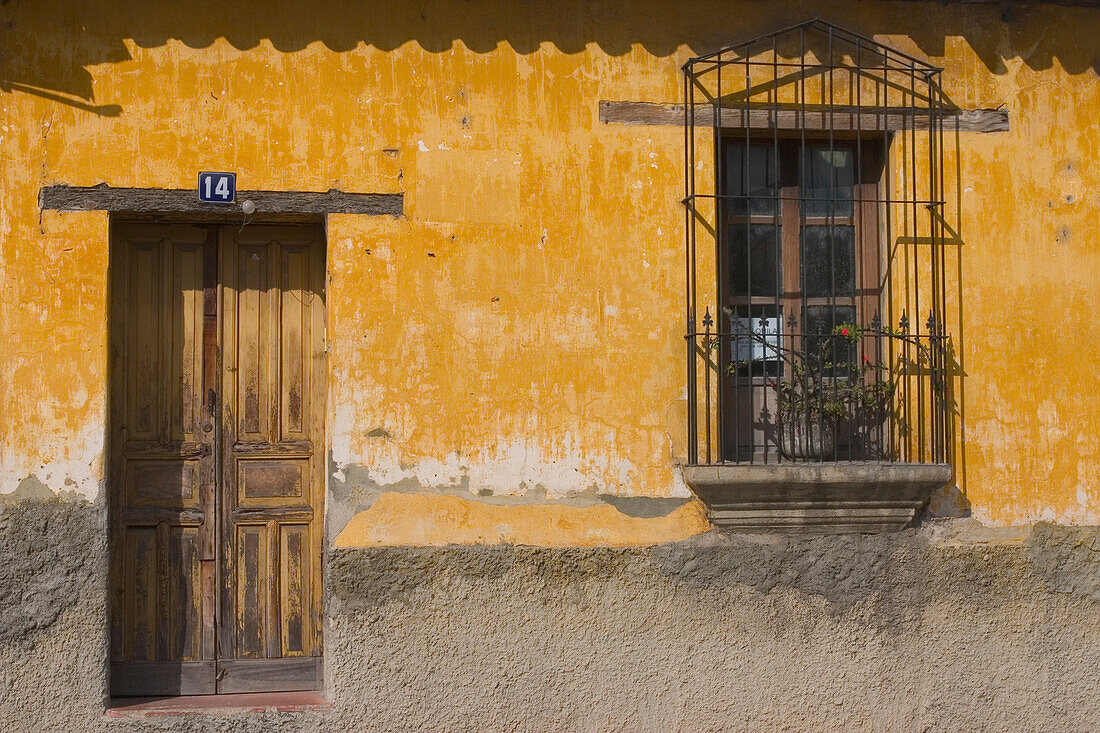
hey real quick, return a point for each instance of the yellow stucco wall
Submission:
(424, 519)
(520, 328)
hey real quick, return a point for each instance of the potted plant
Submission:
(820, 384)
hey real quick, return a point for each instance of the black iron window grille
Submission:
(814, 209)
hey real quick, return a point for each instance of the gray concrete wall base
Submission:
(950, 627)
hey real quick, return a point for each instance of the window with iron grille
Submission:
(814, 175)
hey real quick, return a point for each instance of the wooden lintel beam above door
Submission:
(172, 201)
(865, 119)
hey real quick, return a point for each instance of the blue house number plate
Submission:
(217, 188)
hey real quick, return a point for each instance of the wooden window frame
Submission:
(869, 196)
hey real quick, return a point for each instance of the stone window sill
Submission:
(816, 497)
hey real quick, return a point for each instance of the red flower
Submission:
(843, 332)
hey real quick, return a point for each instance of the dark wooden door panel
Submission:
(265, 675)
(164, 678)
(162, 596)
(162, 462)
(218, 367)
(272, 469)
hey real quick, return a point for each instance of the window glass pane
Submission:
(755, 355)
(828, 178)
(751, 177)
(828, 261)
(754, 259)
(820, 319)
(835, 354)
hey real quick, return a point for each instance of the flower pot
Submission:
(802, 440)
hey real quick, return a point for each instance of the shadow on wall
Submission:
(49, 54)
(952, 501)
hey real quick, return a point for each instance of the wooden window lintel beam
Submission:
(826, 118)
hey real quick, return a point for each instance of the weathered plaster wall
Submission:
(518, 331)
(949, 628)
(53, 341)
(910, 632)
(424, 519)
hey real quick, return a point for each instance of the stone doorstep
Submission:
(815, 497)
(251, 702)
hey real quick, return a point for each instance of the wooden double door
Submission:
(216, 458)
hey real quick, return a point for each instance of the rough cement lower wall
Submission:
(948, 627)
(53, 614)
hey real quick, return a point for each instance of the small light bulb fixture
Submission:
(248, 206)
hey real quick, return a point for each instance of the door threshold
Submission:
(247, 702)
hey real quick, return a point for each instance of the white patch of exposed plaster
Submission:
(383, 251)
(519, 465)
(626, 472)
(421, 146)
(678, 488)
(426, 472)
(512, 467)
(343, 420)
(73, 465)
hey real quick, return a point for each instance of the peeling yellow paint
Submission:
(521, 325)
(468, 185)
(434, 519)
(53, 355)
